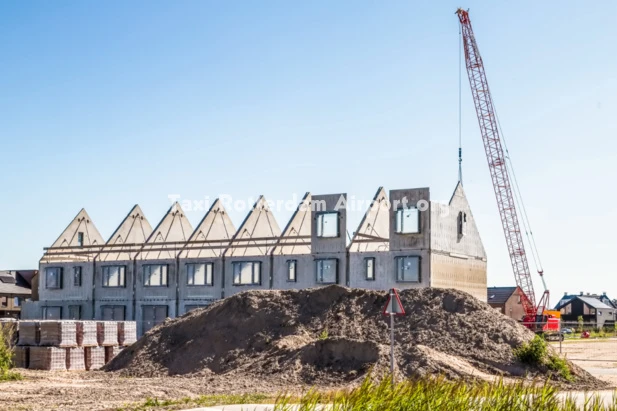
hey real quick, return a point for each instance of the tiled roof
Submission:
(499, 295)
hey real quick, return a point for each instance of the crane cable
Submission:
(520, 203)
(460, 105)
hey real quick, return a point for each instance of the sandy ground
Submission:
(43, 390)
(599, 357)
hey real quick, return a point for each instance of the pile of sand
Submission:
(335, 334)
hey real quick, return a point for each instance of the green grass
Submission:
(430, 393)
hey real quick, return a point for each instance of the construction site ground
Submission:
(44, 390)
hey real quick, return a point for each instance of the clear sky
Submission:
(107, 104)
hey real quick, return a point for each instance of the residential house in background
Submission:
(595, 309)
(15, 288)
(404, 241)
(507, 300)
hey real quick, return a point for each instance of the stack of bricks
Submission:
(71, 345)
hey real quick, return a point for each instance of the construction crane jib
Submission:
(489, 128)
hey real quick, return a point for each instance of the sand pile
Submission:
(331, 335)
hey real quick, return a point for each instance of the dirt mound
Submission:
(334, 334)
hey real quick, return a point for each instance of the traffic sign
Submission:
(393, 306)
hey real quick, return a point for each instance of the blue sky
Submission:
(108, 104)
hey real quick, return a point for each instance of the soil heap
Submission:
(335, 334)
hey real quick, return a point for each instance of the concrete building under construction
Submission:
(404, 240)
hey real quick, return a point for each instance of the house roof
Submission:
(216, 227)
(499, 295)
(173, 228)
(595, 303)
(298, 226)
(11, 283)
(134, 229)
(374, 225)
(259, 223)
(593, 298)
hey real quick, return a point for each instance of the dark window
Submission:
(247, 273)
(74, 312)
(80, 239)
(199, 274)
(327, 224)
(153, 315)
(408, 269)
(408, 221)
(53, 277)
(112, 312)
(52, 313)
(327, 271)
(369, 265)
(291, 270)
(462, 223)
(77, 276)
(114, 276)
(155, 275)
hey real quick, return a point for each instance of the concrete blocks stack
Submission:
(28, 333)
(107, 333)
(71, 345)
(95, 357)
(87, 334)
(47, 358)
(127, 332)
(61, 334)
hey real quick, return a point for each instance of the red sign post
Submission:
(393, 308)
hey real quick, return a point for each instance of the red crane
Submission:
(489, 128)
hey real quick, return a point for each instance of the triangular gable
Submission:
(174, 228)
(134, 229)
(374, 225)
(82, 223)
(216, 225)
(259, 223)
(298, 226)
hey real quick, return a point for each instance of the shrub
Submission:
(324, 335)
(7, 332)
(536, 353)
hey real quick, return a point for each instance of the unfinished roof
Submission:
(299, 226)
(252, 238)
(80, 229)
(133, 231)
(373, 233)
(216, 230)
(166, 240)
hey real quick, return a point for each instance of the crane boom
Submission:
(489, 129)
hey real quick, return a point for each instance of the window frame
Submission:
(165, 271)
(80, 239)
(46, 308)
(402, 258)
(113, 308)
(240, 284)
(319, 224)
(400, 211)
(320, 261)
(48, 270)
(366, 268)
(122, 275)
(78, 312)
(77, 275)
(462, 223)
(292, 264)
(207, 266)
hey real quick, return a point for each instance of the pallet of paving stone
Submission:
(20, 356)
(87, 334)
(107, 333)
(47, 358)
(58, 334)
(111, 352)
(28, 333)
(75, 359)
(127, 332)
(94, 357)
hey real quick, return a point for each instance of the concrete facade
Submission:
(404, 241)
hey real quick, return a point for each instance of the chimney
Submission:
(582, 293)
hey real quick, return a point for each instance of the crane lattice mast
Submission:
(489, 128)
